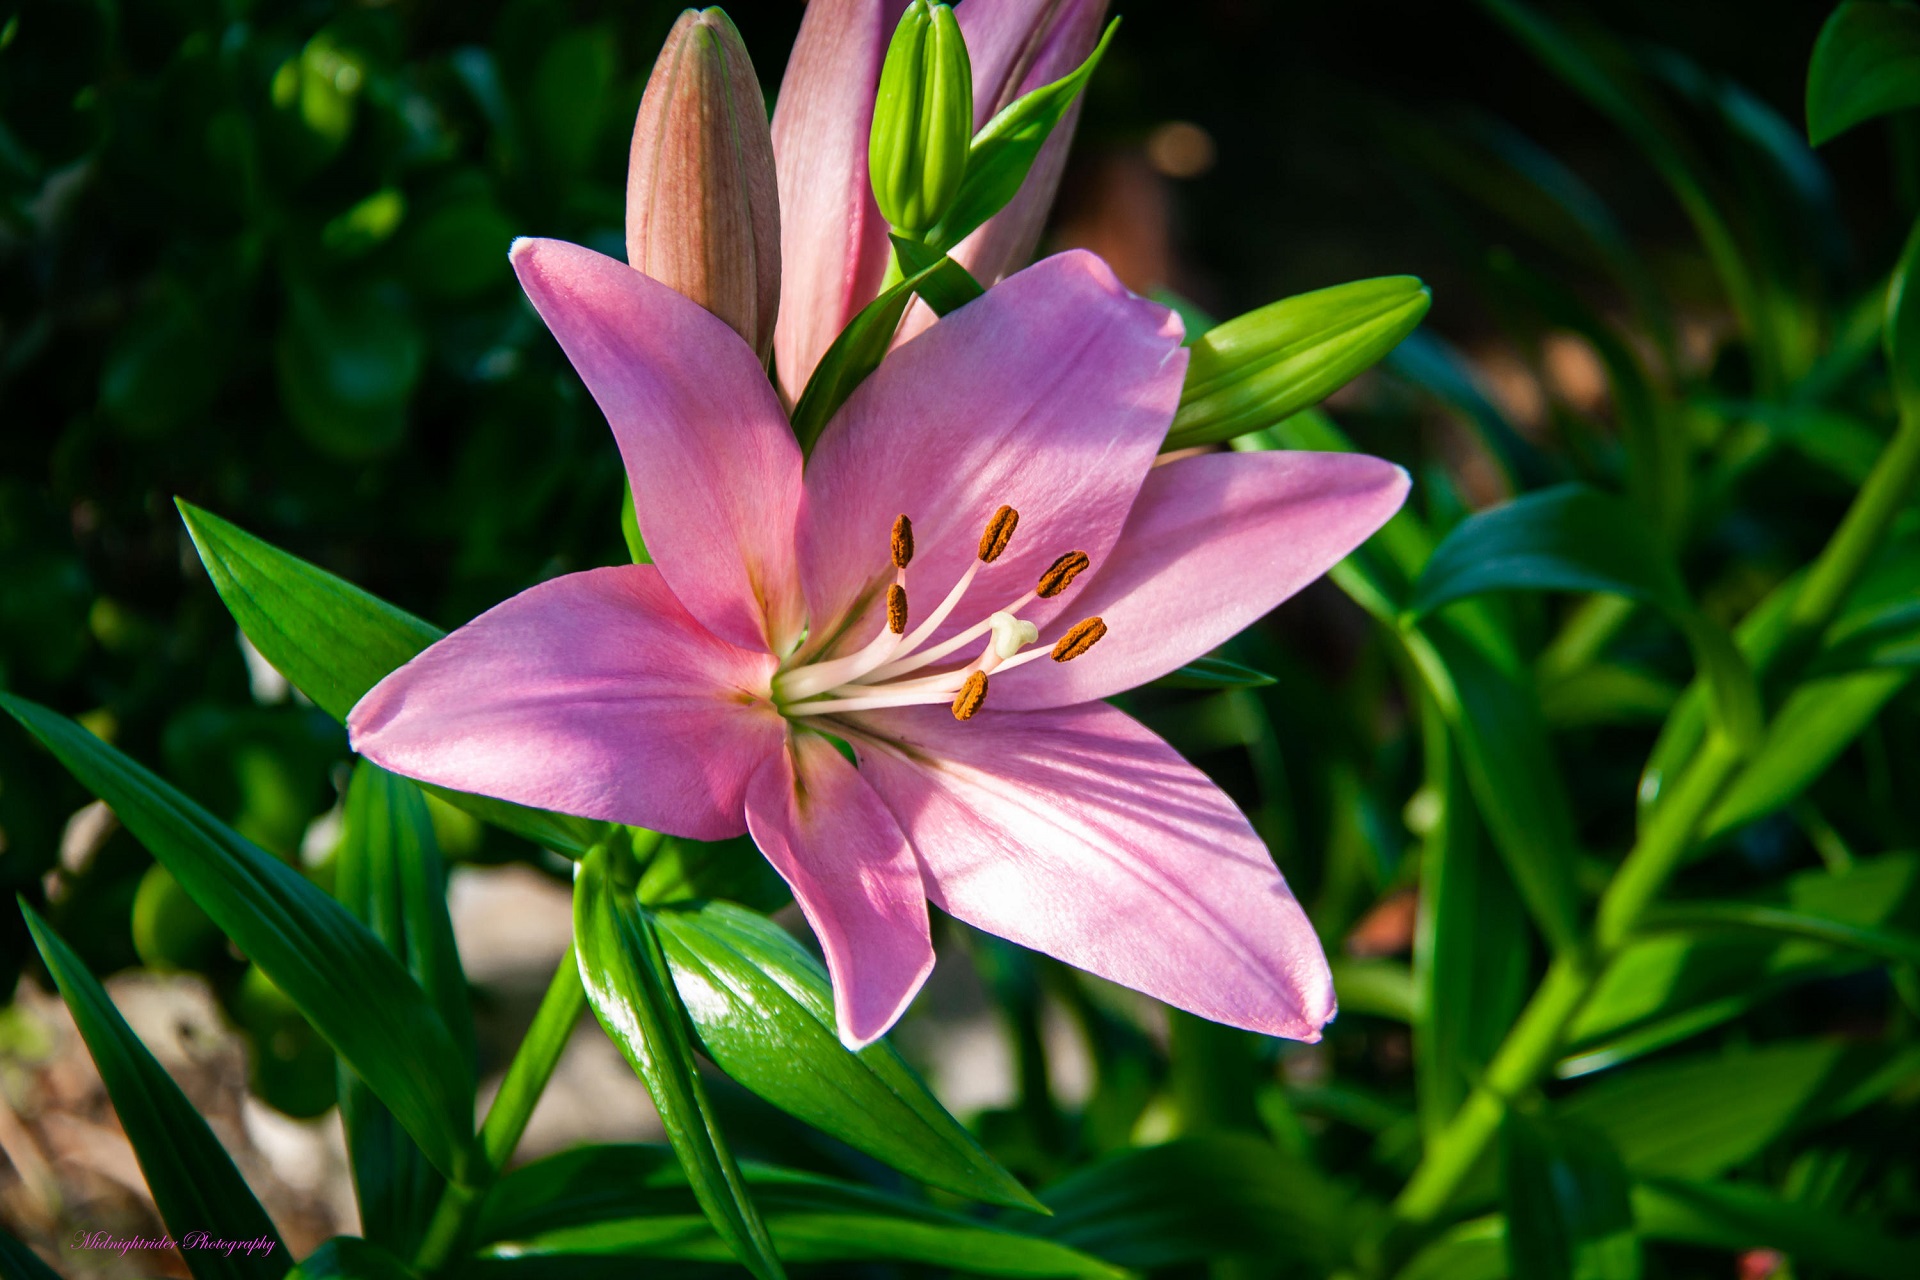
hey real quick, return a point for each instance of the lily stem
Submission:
(526, 1079)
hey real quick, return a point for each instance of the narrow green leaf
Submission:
(1865, 63)
(336, 972)
(634, 1201)
(1681, 1119)
(1565, 1196)
(1214, 673)
(631, 991)
(388, 874)
(192, 1179)
(1221, 1195)
(351, 1258)
(1383, 988)
(1572, 538)
(1898, 948)
(1739, 1216)
(945, 285)
(682, 871)
(1005, 149)
(1267, 365)
(1474, 1250)
(334, 642)
(763, 1009)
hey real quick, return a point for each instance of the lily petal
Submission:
(1213, 543)
(597, 694)
(1016, 46)
(1050, 394)
(1079, 833)
(833, 241)
(828, 834)
(714, 466)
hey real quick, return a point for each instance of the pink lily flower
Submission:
(979, 550)
(833, 241)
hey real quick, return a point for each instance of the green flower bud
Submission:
(922, 119)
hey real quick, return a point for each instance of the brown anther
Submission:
(897, 609)
(1060, 573)
(1083, 636)
(999, 533)
(971, 695)
(902, 542)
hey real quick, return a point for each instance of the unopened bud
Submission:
(703, 211)
(922, 119)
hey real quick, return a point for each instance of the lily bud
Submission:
(922, 119)
(703, 210)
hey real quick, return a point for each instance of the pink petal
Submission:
(714, 466)
(1050, 394)
(1017, 46)
(1079, 833)
(1213, 543)
(824, 829)
(595, 694)
(833, 241)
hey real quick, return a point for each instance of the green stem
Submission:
(526, 1079)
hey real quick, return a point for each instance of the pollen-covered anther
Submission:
(1061, 573)
(999, 533)
(897, 609)
(902, 542)
(971, 695)
(1081, 637)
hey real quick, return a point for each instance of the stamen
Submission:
(1060, 573)
(1082, 636)
(902, 542)
(999, 533)
(1011, 634)
(971, 695)
(897, 607)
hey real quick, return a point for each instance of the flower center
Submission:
(890, 671)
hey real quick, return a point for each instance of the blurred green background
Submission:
(252, 254)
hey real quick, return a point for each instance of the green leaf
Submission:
(1565, 1196)
(351, 1258)
(1214, 673)
(683, 871)
(1433, 366)
(1865, 63)
(1222, 1195)
(334, 642)
(945, 285)
(634, 1201)
(1473, 1250)
(339, 975)
(1267, 365)
(632, 993)
(21, 1263)
(858, 350)
(1695, 917)
(1698, 1117)
(1005, 149)
(763, 1009)
(1738, 1216)
(1494, 718)
(388, 874)
(1572, 538)
(193, 1180)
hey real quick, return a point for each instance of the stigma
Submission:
(902, 668)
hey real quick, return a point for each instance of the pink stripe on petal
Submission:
(1050, 394)
(1079, 833)
(595, 694)
(826, 832)
(713, 463)
(833, 241)
(1213, 543)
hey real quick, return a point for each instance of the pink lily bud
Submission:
(703, 212)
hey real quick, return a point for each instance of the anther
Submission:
(998, 534)
(971, 695)
(897, 607)
(1060, 573)
(1083, 636)
(902, 542)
